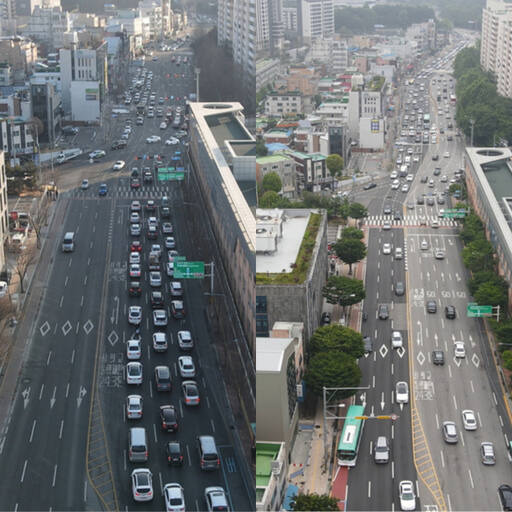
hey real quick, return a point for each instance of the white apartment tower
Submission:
(237, 30)
(269, 25)
(316, 19)
(496, 41)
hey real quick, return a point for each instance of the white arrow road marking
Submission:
(382, 403)
(81, 394)
(53, 399)
(26, 397)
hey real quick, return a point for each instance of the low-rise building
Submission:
(279, 136)
(312, 172)
(46, 106)
(17, 137)
(21, 54)
(285, 103)
(267, 70)
(284, 167)
(291, 268)
(271, 473)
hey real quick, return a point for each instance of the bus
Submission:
(453, 99)
(350, 437)
(426, 120)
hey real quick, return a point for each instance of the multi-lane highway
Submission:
(445, 476)
(67, 442)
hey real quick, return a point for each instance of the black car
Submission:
(165, 212)
(368, 344)
(424, 179)
(383, 311)
(163, 378)
(399, 288)
(397, 216)
(135, 172)
(437, 171)
(168, 418)
(431, 306)
(148, 177)
(435, 157)
(369, 186)
(157, 299)
(118, 144)
(326, 319)
(449, 312)
(135, 289)
(438, 357)
(174, 454)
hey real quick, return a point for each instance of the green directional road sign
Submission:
(476, 311)
(189, 269)
(454, 214)
(179, 258)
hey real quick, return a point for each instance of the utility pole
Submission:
(472, 123)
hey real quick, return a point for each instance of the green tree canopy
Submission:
(478, 255)
(486, 276)
(269, 199)
(335, 164)
(344, 290)
(352, 232)
(357, 211)
(350, 250)
(473, 229)
(320, 502)
(491, 294)
(334, 370)
(337, 338)
(503, 331)
(271, 181)
(261, 149)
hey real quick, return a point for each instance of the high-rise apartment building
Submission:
(496, 41)
(316, 19)
(236, 25)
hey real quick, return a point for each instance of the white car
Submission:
(415, 158)
(393, 175)
(395, 185)
(159, 341)
(170, 243)
(159, 317)
(407, 496)
(97, 153)
(133, 349)
(447, 154)
(396, 339)
(185, 340)
(174, 498)
(153, 138)
(169, 268)
(402, 392)
(163, 126)
(155, 279)
(405, 187)
(134, 315)
(459, 349)
(469, 420)
(85, 184)
(386, 226)
(172, 141)
(157, 249)
(386, 249)
(135, 218)
(142, 484)
(215, 498)
(134, 373)
(186, 367)
(409, 177)
(134, 257)
(119, 165)
(133, 407)
(439, 254)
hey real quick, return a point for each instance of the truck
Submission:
(154, 261)
(68, 154)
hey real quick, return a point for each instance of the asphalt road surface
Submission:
(65, 450)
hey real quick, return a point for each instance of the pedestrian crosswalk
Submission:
(409, 220)
(124, 191)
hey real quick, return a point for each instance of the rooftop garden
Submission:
(301, 266)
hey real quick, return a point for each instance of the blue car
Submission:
(103, 189)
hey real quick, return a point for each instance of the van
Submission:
(398, 253)
(17, 241)
(381, 450)
(208, 455)
(68, 244)
(138, 445)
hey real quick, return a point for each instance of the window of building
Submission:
(261, 304)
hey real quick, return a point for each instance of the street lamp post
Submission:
(197, 71)
(472, 123)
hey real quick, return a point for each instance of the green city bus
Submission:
(350, 436)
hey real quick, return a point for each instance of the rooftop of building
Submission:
(270, 353)
(221, 124)
(314, 156)
(270, 159)
(266, 453)
(278, 132)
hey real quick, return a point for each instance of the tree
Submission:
(271, 181)
(486, 276)
(491, 294)
(344, 290)
(350, 251)
(320, 502)
(23, 262)
(503, 331)
(335, 164)
(357, 211)
(261, 149)
(333, 370)
(352, 232)
(473, 229)
(269, 199)
(337, 338)
(478, 255)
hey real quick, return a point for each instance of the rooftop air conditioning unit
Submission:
(276, 467)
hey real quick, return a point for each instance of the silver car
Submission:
(381, 450)
(487, 454)
(450, 434)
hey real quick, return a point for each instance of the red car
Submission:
(135, 246)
